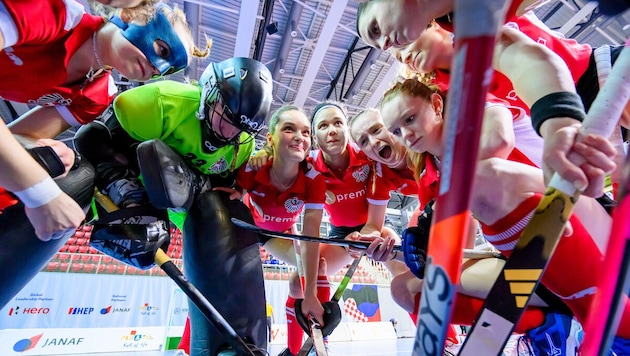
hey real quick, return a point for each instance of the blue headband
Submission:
(159, 28)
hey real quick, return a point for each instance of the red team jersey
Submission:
(40, 41)
(386, 180)
(347, 198)
(279, 211)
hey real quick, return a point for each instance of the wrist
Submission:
(39, 194)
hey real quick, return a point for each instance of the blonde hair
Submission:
(145, 11)
(413, 87)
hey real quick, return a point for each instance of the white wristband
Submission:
(39, 194)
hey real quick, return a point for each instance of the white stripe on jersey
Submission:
(74, 13)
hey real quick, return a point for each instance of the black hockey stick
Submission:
(362, 245)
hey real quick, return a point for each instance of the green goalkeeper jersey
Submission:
(166, 110)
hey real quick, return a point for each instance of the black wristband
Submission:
(48, 158)
(560, 104)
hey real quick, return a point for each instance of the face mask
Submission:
(143, 38)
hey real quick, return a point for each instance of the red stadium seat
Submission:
(73, 248)
(121, 269)
(82, 241)
(52, 266)
(63, 248)
(110, 268)
(63, 266)
(77, 267)
(107, 259)
(84, 249)
(101, 268)
(89, 267)
(64, 257)
(79, 233)
(86, 258)
(71, 240)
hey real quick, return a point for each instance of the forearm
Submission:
(18, 169)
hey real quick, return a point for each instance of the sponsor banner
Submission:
(74, 341)
(60, 300)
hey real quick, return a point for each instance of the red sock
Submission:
(294, 331)
(323, 289)
(574, 267)
(184, 343)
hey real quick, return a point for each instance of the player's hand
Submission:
(311, 306)
(257, 161)
(592, 157)
(235, 194)
(57, 219)
(65, 153)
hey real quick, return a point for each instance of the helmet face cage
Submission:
(228, 117)
(243, 87)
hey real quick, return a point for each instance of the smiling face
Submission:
(431, 51)
(393, 23)
(290, 137)
(415, 121)
(370, 134)
(330, 130)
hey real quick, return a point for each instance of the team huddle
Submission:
(185, 153)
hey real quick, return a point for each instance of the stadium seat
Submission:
(86, 258)
(63, 266)
(111, 268)
(52, 266)
(107, 259)
(73, 248)
(84, 249)
(64, 248)
(82, 241)
(64, 257)
(71, 240)
(89, 267)
(121, 269)
(76, 267)
(101, 268)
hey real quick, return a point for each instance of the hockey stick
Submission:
(605, 313)
(476, 27)
(200, 301)
(512, 290)
(467, 253)
(308, 344)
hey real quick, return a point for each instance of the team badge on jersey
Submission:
(218, 167)
(53, 99)
(293, 205)
(361, 174)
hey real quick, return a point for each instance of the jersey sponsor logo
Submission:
(332, 198)
(293, 205)
(361, 174)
